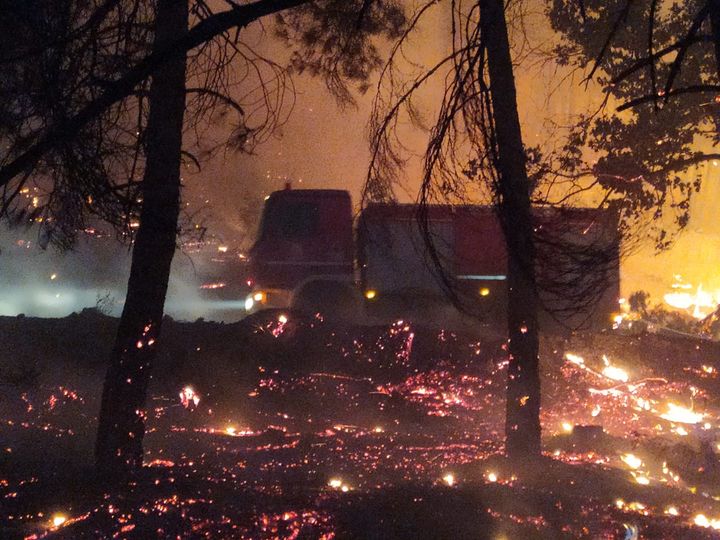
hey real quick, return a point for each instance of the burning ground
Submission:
(283, 427)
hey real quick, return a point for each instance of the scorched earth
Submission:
(289, 427)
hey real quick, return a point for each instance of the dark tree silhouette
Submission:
(522, 422)
(658, 63)
(346, 55)
(475, 152)
(121, 425)
(479, 108)
(55, 57)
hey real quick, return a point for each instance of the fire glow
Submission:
(699, 304)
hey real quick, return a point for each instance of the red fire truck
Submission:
(308, 256)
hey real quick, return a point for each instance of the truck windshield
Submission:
(290, 219)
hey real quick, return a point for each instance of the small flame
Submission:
(631, 461)
(641, 479)
(703, 521)
(189, 397)
(613, 372)
(682, 415)
(574, 358)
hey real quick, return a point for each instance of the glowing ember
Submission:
(682, 415)
(636, 506)
(230, 431)
(214, 285)
(575, 359)
(161, 463)
(335, 483)
(277, 329)
(189, 398)
(641, 479)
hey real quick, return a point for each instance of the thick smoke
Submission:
(47, 283)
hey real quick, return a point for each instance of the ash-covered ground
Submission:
(284, 427)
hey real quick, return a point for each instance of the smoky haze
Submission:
(48, 283)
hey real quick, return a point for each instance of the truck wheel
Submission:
(334, 300)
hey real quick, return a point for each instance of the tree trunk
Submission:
(715, 29)
(522, 423)
(121, 424)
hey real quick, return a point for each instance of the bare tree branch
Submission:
(115, 91)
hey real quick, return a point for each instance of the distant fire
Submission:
(699, 304)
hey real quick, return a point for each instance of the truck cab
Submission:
(304, 248)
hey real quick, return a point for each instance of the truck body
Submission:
(397, 263)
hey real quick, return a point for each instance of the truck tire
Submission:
(333, 300)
